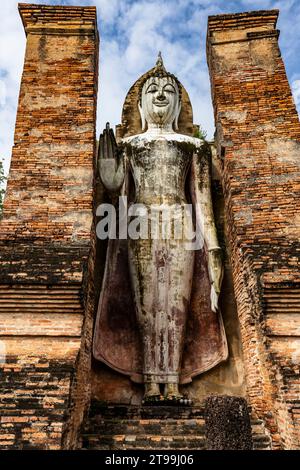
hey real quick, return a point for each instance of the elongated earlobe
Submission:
(142, 117)
(177, 116)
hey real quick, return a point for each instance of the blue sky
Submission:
(132, 32)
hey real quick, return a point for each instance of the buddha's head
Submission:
(160, 100)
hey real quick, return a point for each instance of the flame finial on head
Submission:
(159, 71)
(160, 62)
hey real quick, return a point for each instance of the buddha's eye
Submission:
(152, 89)
(169, 89)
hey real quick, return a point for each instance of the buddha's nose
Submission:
(161, 97)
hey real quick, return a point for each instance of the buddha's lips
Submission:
(161, 105)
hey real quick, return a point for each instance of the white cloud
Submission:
(146, 28)
(108, 9)
(12, 47)
(3, 93)
(296, 91)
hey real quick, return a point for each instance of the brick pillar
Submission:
(46, 234)
(258, 138)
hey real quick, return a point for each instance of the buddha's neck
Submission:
(155, 129)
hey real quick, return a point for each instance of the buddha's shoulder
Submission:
(145, 138)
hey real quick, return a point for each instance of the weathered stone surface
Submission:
(115, 339)
(131, 119)
(227, 423)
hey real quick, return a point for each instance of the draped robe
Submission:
(117, 336)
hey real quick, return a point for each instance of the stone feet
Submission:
(171, 395)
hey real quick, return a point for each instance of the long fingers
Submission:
(110, 150)
(106, 151)
(113, 142)
(107, 145)
(101, 147)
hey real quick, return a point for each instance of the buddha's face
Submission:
(160, 101)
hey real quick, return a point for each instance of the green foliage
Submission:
(2, 190)
(200, 133)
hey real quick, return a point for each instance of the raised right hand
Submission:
(111, 170)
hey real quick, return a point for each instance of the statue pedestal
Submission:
(120, 427)
(165, 401)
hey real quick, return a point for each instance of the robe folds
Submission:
(117, 341)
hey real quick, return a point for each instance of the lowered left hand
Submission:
(215, 269)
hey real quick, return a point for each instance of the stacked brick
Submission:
(46, 235)
(120, 427)
(258, 138)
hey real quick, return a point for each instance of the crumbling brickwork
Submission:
(46, 234)
(128, 427)
(258, 135)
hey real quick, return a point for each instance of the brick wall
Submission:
(46, 236)
(258, 135)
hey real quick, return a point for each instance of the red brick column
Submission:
(46, 234)
(258, 137)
